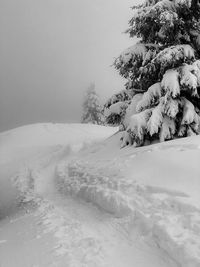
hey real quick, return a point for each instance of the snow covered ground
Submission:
(69, 196)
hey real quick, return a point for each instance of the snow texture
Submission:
(163, 213)
(150, 97)
(170, 82)
(103, 206)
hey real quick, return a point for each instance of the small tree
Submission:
(92, 110)
(165, 67)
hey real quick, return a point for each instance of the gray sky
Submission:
(51, 50)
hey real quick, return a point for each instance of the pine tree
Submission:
(92, 110)
(165, 67)
(115, 107)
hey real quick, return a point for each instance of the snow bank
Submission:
(157, 187)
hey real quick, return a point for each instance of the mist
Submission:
(51, 50)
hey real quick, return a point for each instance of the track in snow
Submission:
(66, 231)
(58, 230)
(89, 236)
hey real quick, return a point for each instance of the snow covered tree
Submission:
(165, 67)
(115, 107)
(92, 110)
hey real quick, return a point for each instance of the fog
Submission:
(51, 50)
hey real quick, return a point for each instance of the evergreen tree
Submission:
(165, 67)
(92, 110)
(115, 107)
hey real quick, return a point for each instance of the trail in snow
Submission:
(91, 236)
(86, 235)
(101, 207)
(166, 211)
(24, 209)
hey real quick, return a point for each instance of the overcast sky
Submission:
(50, 51)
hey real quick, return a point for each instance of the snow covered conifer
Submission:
(165, 67)
(115, 107)
(92, 110)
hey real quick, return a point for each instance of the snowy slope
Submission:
(29, 139)
(25, 145)
(24, 151)
(76, 199)
(156, 186)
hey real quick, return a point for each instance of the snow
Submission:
(123, 95)
(170, 82)
(171, 107)
(188, 79)
(168, 129)
(196, 66)
(188, 51)
(149, 97)
(163, 199)
(168, 17)
(172, 54)
(132, 109)
(138, 123)
(135, 50)
(164, 4)
(156, 118)
(116, 108)
(84, 202)
(189, 114)
(27, 145)
(183, 3)
(143, 51)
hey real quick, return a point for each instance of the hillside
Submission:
(72, 197)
